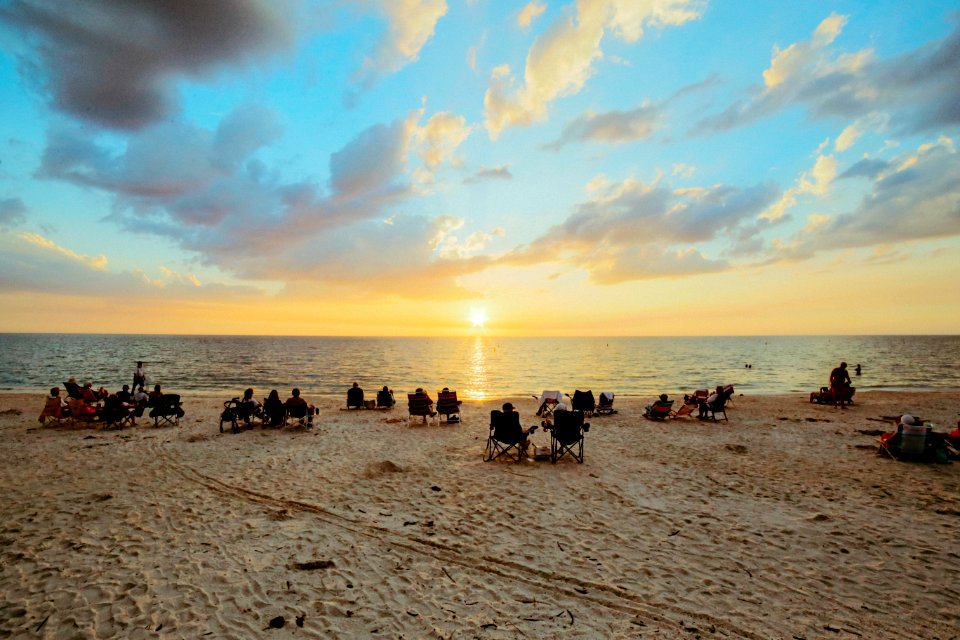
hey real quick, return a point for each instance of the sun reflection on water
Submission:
(477, 374)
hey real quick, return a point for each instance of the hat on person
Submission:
(507, 406)
(906, 419)
(88, 383)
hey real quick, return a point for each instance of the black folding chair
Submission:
(566, 435)
(583, 401)
(507, 438)
(167, 410)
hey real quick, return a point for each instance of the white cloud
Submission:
(529, 13)
(437, 141)
(410, 25)
(816, 181)
(561, 61)
(97, 263)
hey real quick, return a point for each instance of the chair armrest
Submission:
(586, 426)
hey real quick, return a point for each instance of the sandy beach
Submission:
(781, 523)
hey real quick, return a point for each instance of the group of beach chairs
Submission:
(109, 410)
(565, 424)
(707, 405)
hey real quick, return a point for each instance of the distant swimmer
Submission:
(857, 369)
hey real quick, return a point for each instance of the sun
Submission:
(478, 317)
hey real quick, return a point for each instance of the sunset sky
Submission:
(432, 167)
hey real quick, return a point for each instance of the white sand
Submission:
(782, 523)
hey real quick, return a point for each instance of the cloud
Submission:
(613, 127)
(30, 262)
(633, 231)
(208, 191)
(438, 139)
(913, 197)
(915, 91)
(115, 64)
(530, 12)
(12, 212)
(816, 181)
(561, 61)
(491, 173)
(410, 25)
(97, 263)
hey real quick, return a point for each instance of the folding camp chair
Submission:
(583, 401)
(685, 410)
(355, 398)
(236, 411)
(447, 405)
(54, 411)
(605, 405)
(167, 410)
(712, 409)
(299, 412)
(419, 404)
(507, 438)
(116, 414)
(659, 410)
(549, 401)
(73, 390)
(566, 435)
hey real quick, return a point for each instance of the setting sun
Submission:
(478, 317)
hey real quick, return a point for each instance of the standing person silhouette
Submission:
(840, 385)
(139, 375)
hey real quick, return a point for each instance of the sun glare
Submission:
(478, 317)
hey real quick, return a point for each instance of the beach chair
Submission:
(355, 398)
(167, 410)
(583, 401)
(566, 435)
(825, 396)
(716, 408)
(447, 405)
(385, 399)
(236, 412)
(549, 402)
(73, 390)
(115, 414)
(420, 405)
(685, 410)
(507, 438)
(605, 404)
(659, 410)
(54, 411)
(80, 411)
(298, 412)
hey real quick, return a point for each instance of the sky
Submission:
(461, 167)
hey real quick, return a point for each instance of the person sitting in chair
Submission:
(659, 408)
(155, 400)
(507, 408)
(274, 409)
(297, 406)
(250, 406)
(355, 397)
(385, 398)
(420, 397)
(710, 403)
(55, 407)
(89, 395)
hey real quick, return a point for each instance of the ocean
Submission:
(478, 367)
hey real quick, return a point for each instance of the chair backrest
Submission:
(297, 410)
(354, 397)
(384, 399)
(418, 404)
(447, 401)
(567, 426)
(73, 390)
(583, 401)
(506, 427)
(168, 404)
(685, 410)
(606, 399)
(661, 410)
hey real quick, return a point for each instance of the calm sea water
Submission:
(478, 367)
